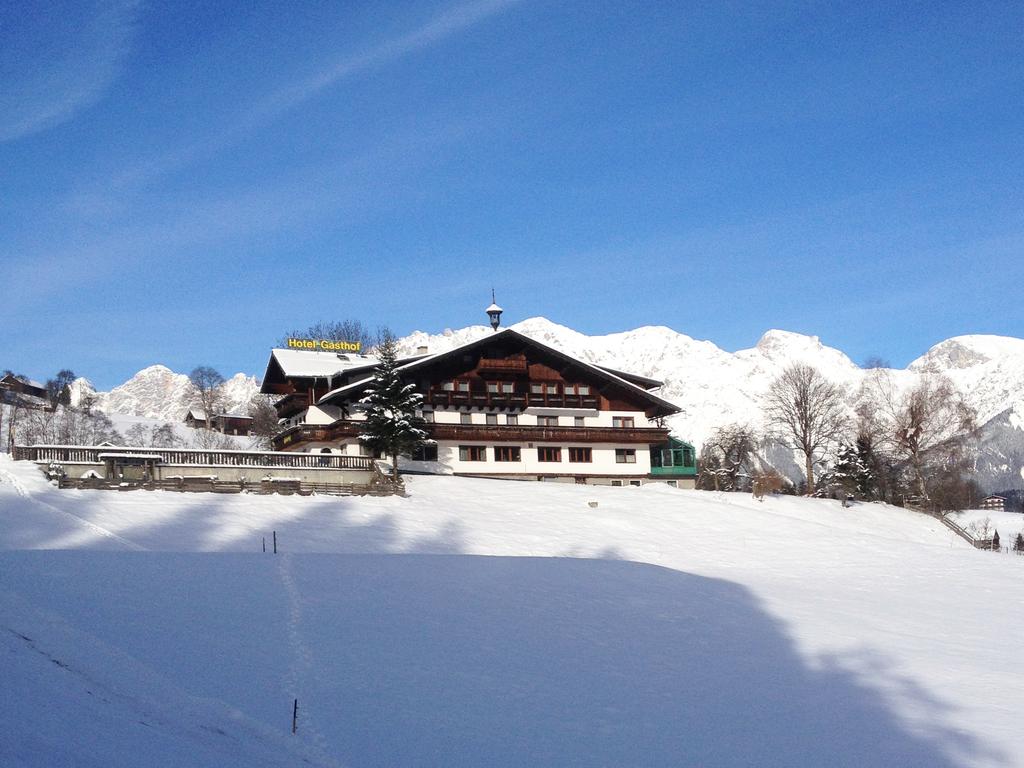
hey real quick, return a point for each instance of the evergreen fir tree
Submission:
(391, 424)
(848, 473)
(995, 541)
(1018, 544)
(869, 481)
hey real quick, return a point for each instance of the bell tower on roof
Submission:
(494, 312)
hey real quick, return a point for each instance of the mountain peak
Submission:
(961, 352)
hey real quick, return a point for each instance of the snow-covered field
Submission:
(502, 624)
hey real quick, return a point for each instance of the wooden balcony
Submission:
(295, 436)
(291, 404)
(487, 433)
(508, 401)
(502, 365)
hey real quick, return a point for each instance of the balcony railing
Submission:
(514, 366)
(509, 400)
(488, 433)
(194, 457)
(315, 433)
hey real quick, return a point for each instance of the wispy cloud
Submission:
(441, 27)
(59, 58)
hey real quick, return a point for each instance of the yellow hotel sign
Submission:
(325, 345)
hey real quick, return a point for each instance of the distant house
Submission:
(196, 418)
(227, 423)
(11, 385)
(994, 503)
(232, 424)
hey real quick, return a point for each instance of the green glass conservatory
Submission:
(672, 460)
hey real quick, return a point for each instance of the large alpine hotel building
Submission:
(504, 406)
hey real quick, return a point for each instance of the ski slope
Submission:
(499, 623)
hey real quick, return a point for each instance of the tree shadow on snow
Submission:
(463, 660)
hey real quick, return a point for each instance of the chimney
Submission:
(421, 350)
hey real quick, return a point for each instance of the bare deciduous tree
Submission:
(264, 420)
(209, 386)
(337, 330)
(725, 457)
(807, 411)
(58, 389)
(925, 426)
(65, 425)
(152, 436)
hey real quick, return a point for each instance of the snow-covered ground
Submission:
(499, 623)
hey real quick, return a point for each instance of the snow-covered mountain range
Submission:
(157, 392)
(710, 385)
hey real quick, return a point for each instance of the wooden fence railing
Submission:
(195, 457)
(956, 528)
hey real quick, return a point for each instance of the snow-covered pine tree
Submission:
(1018, 544)
(392, 426)
(868, 481)
(847, 471)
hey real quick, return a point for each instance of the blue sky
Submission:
(183, 182)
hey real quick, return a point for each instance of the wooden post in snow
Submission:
(295, 716)
(275, 542)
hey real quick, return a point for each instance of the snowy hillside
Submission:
(698, 629)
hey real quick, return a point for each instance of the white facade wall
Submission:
(602, 454)
(322, 415)
(603, 459)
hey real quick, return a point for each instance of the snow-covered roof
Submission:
(297, 362)
(28, 382)
(361, 384)
(316, 365)
(493, 308)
